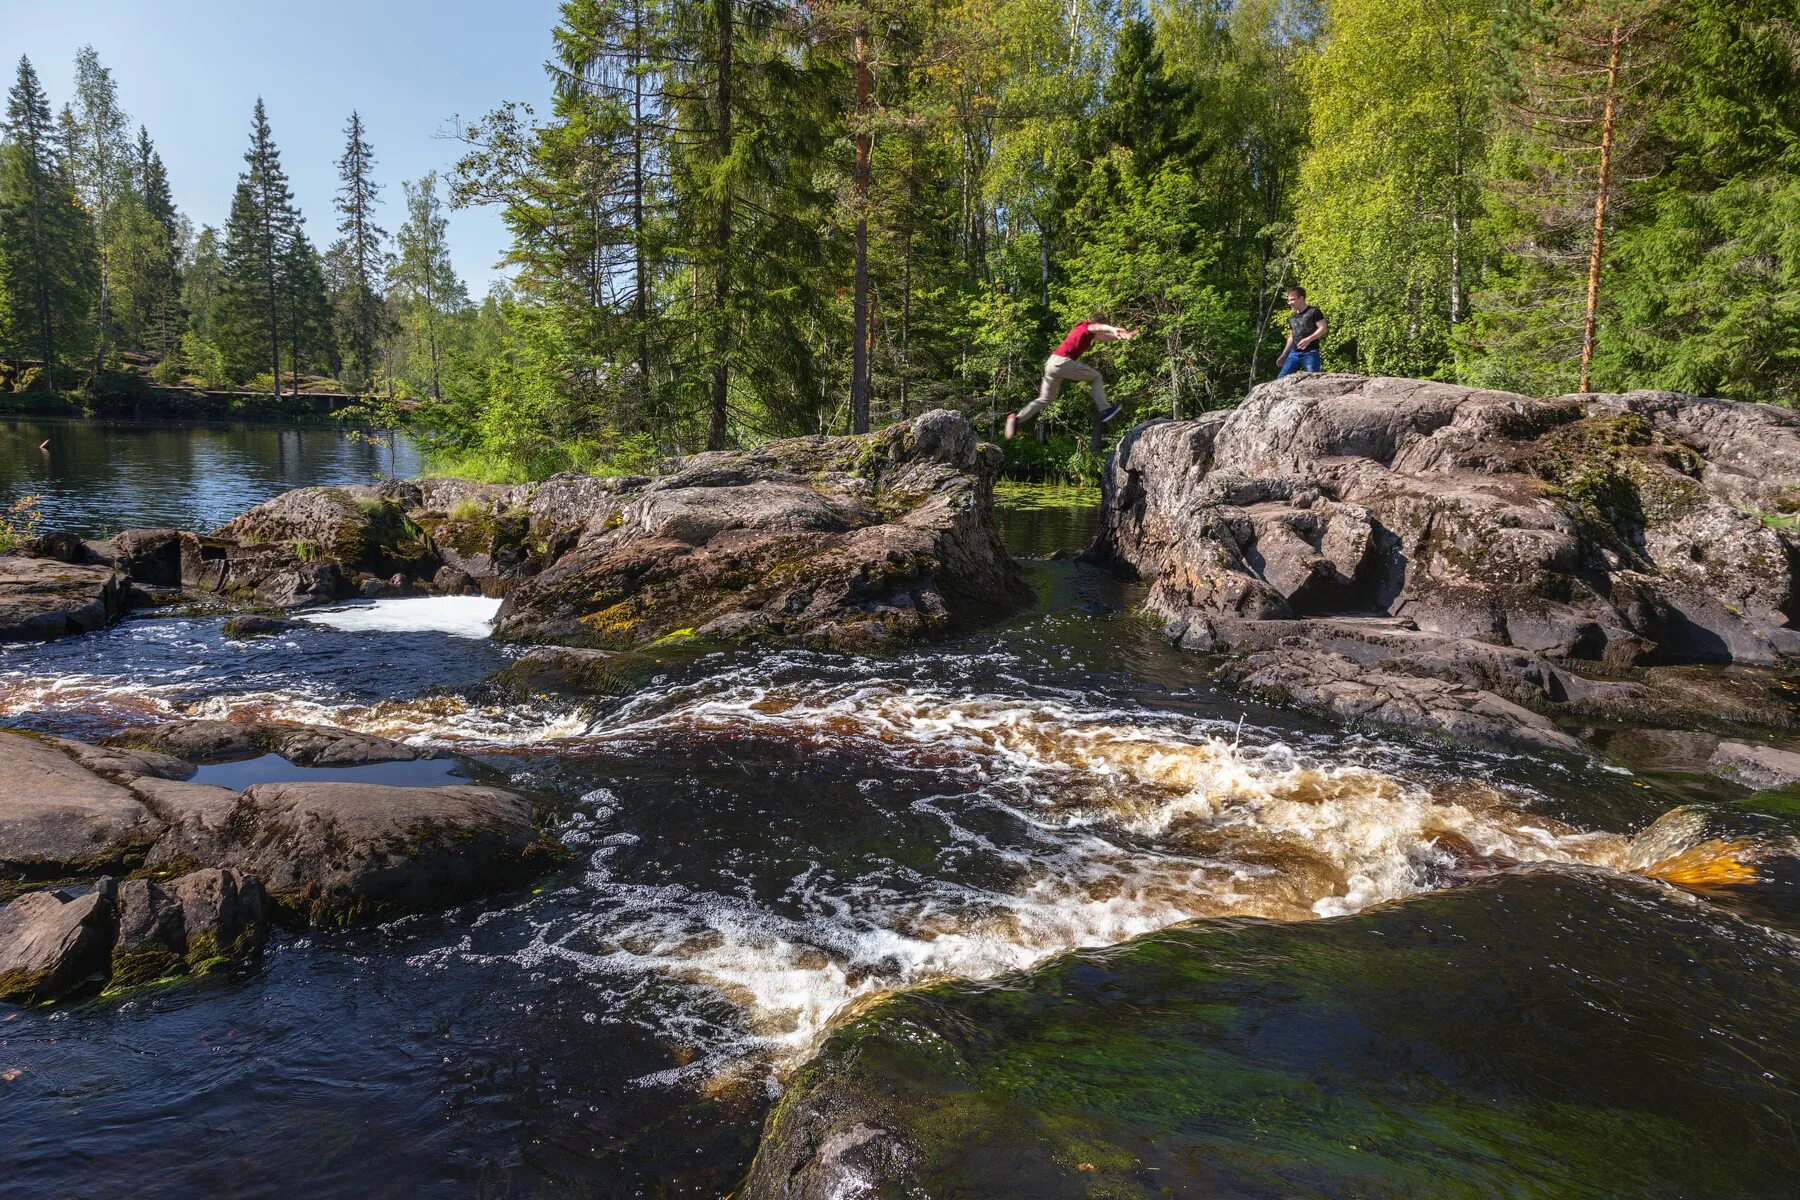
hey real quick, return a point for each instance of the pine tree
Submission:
(147, 238)
(48, 271)
(1580, 79)
(359, 256)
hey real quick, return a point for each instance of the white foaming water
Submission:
(458, 616)
(1123, 820)
(1137, 820)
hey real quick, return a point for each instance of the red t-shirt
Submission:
(1078, 341)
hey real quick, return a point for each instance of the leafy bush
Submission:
(19, 523)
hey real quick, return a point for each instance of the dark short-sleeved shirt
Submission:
(1302, 324)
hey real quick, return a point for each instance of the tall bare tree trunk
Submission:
(721, 370)
(1597, 246)
(859, 353)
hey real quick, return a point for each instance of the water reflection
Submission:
(97, 477)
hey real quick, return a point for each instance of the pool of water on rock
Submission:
(766, 841)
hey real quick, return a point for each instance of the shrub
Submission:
(19, 523)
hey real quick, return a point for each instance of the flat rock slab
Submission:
(42, 598)
(1338, 686)
(57, 818)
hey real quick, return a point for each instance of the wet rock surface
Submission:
(1759, 767)
(59, 819)
(1495, 546)
(212, 866)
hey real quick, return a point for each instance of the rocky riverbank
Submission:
(205, 868)
(848, 542)
(1473, 563)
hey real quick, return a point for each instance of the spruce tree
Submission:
(258, 242)
(359, 257)
(48, 271)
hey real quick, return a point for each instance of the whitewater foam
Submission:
(458, 616)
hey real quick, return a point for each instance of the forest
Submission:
(740, 219)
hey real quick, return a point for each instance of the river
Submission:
(768, 839)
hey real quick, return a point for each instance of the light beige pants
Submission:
(1056, 370)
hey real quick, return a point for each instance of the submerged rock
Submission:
(1623, 531)
(302, 745)
(50, 946)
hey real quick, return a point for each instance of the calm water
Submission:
(769, 839)
(95, 478)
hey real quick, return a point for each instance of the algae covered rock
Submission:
(1361, 1056)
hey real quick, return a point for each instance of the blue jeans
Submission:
(1300, 360)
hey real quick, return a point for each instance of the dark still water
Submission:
(95, 478)
(768, 840)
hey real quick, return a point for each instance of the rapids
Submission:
(767, 842)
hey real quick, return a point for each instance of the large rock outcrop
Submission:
(1619, 531)
(838, 541)
(843, 541)
(335, 853)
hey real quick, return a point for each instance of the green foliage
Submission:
(1390, 188)
(49, 268)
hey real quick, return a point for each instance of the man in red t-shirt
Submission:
(1066, 363)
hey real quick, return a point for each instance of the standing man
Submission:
(1066, 363)
(1306, 329)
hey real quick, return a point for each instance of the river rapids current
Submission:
(767, 842)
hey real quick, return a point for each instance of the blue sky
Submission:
(191, 71)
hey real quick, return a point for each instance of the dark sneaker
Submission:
(1012, 425)
(1110, 413)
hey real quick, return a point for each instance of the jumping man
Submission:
(1066, 363)
(1306, 329)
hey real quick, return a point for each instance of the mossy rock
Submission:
(1379, 1055)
